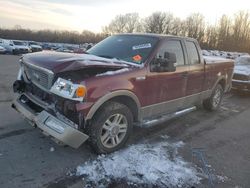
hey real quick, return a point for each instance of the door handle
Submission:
(140, 78)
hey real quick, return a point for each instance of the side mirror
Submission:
(164, 64)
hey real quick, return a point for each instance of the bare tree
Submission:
(127, 23)
(211, 37)
(168, 23)
(177, 27)
(224, 32)
(241, 30)
(155, 23)
(132, 22)
(195, 26)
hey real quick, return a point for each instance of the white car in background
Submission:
(35, 47)
(20, 47)
(206, 53)
(2, 50)
(8, 45)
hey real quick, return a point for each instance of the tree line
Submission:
(71, 37)
(229, 33)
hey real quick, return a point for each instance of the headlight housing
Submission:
(69, 90)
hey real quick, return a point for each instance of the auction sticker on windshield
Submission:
(141, 46)
(137, 58)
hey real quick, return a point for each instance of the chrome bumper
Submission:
(51, 125)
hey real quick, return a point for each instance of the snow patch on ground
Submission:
(222, 178)
(152, 164)
(52, 149)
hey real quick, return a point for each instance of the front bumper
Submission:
(36, 49)
(59, 129)
(241, 85)
(21, 51)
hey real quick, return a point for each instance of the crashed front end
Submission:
(49, 102)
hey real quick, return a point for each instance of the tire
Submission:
(111, 127)
(214, 101)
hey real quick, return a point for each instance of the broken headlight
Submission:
(69, 90)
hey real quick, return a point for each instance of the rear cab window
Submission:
(192, 53)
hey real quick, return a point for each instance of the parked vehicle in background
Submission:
(2, 50)
(123, 80)
(35, 47)
(20, 47)
(46, 46)
(241, 77)
(80, 51)
(8, 45)
(64, 49)
(206, 53)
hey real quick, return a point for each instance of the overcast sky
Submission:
(94, 14)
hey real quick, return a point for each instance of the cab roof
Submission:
(160, 36)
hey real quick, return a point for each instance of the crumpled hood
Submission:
(61, 62)
(242, 69)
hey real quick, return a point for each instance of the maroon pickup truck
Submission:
(122, 81)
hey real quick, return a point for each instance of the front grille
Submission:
(39, 93)
(38, 77)
(21, 50)
(240, 77)
(63, 106)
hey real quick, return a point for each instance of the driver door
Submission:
(167, 89)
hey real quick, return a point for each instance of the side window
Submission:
(192, 53)
(173, 46)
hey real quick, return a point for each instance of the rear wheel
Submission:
(111, 127)
(213, 103)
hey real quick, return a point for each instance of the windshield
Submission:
(243, 60)
(130, 48)
(18, 43)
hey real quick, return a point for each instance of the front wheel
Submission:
(214, 101)
(111, 127)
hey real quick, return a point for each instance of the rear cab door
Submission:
(196, 73)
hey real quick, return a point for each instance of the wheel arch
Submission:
(222, 82)
(125, 97)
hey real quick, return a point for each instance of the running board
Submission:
(150, 123)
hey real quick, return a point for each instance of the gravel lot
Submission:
(29, 159)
